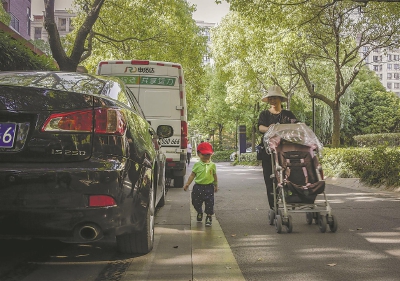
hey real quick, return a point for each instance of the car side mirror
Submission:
(165, 131)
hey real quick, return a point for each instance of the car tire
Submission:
(161, 178)
(140, 242)
(161, 203)
(178, 181)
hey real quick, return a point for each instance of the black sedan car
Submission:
(78, 160)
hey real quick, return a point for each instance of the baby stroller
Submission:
(297, 177)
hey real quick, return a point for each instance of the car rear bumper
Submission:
(37, 202)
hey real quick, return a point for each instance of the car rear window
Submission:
(20, 98)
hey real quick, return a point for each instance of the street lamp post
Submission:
(313, 108)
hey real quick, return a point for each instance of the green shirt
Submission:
(204, 172)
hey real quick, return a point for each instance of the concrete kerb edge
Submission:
(355, 183)
(221, 262)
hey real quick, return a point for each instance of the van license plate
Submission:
(7, 134)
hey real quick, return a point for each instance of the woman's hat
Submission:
(274, 91)
(205, 148)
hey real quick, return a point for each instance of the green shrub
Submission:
(16, 56)
(390, 139)
(222, 156)
(248, 159)
(376, 166)
(333, 164)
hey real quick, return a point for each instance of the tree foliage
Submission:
(314, 41)
(4, 16)
(373, 110)
(161, 30)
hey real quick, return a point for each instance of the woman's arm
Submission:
(263, 129)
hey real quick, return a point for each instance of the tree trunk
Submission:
(65, 62)
(336, 127)
(253, 137)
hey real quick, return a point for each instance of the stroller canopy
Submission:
(298, 133)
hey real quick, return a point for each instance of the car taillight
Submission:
(77, 121)
(107, 121)
(101, 201)
(184, 130)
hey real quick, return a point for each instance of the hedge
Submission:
(16, 56)
(378, 165)
(389, 139)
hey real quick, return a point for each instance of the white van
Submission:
(160, 89)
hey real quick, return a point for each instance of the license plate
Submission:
(7, 134)
(170, 142)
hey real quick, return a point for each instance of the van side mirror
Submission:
(165, 131)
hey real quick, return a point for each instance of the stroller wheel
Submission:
(289, 224)
(316, 217)
(333, 224)
(322, 224)
(271, 216)
(278, 224)
(309, 217)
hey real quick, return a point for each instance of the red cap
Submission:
(205, 148)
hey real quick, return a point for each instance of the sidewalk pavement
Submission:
(355, 183)
(185, 249)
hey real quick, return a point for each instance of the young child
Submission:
(204, 173)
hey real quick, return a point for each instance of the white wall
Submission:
(37, 7)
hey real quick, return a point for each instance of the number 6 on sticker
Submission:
(7, 134)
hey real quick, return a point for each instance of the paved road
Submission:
(365, 247)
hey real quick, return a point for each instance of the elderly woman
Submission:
(274, 115)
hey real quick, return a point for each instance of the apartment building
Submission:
(386, 64)
(20, 12)
(205, 31)
(63, 20)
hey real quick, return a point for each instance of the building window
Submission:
(396, 57)
(389, 85)
(389, 76)
(389, 57)
(62, 24)
(396, 75)
(376, 59)
(389, 66)
(396, 66)
(38, 33)
(28, 22)
(14, 23)
(396, 85)
(376, 68)
(380, 68)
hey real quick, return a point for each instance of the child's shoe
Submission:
(208, 221)
(199, 216)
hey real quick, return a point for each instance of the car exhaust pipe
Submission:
(89, 232)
